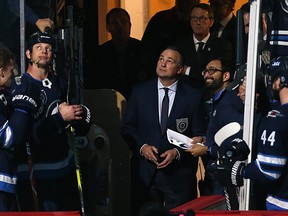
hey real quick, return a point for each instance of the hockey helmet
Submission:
(278, 67)
(40, 37)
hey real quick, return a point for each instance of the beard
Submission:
(216, 84)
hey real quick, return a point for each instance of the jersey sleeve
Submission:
(13, 127)
(272, 149)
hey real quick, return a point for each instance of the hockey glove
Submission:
(28, 97)
(82, 126)
(229, 172)
(237, 149)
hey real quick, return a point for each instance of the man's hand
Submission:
(70, 112)
(197, 150)
(242, 90)
(43, 23)
(149, 152)
(198, 139)
(82, 122)
(168, 156)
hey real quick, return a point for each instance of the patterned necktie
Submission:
(200, 48)
(164, 110)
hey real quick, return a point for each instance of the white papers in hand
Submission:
(178, 139)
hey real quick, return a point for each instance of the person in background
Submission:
(225, 25)
(161, 172)
(37, 18)
(164, 28)
(16, 117)
(119, 61)
(48, 150)
(31, 16)
(200, 47)
(277, 17)
(263, 44)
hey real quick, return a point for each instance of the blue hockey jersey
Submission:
(51, 153)
(14, 127)
(271, 165)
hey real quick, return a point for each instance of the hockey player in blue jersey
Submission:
(52, 157)
(16, 116)
(271, 166)
(278, 35)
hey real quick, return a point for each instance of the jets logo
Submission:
(274, 113)
(182, 124)
(276, 64)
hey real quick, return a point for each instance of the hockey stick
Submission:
(32, 177)
(71, 94)
(226, 131)
(22, 66)
(231, 192)
(78, 171)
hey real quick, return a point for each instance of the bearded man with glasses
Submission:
(225, 107)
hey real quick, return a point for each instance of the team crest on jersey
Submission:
(18, 80)
(47, 83)
(274, 113)
(3, 99)
(181, 124)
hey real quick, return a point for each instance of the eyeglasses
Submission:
(210, 71)
(201, 19)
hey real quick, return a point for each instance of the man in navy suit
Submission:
(225, 25)
(161, 172)
(196, 57)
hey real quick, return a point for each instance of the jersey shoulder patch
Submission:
(274, 114)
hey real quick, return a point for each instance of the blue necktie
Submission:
(164, 110)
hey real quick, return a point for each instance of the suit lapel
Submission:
(207, 47)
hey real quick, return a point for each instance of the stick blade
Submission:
(226, 131)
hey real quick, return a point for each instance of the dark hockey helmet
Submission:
(40, 37)
(278, 67)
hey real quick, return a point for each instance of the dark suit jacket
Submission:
(141, 125)
(229, 33)
(215, 47)
(120, 74)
